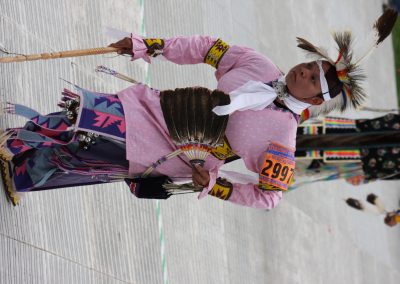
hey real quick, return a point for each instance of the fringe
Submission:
(6, 107)
(5, 154)
(174, 188)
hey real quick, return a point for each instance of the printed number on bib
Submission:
(277, 168)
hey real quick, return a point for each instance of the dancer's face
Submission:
(303, 82)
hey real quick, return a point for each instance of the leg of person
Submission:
(51, 151)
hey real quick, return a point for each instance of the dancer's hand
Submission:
(124, 46)
(200, 176)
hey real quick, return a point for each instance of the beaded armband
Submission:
(268, 187)
(216, 52)
(154, 46)
(222, 189)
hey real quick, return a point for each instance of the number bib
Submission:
(277, 168)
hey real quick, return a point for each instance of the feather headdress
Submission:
(348, 68)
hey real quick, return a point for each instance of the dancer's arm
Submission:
(275, 166)
(244, 193)
(195, 50)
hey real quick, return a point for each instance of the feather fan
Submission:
(192, 125)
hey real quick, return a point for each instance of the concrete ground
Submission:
(103, 234)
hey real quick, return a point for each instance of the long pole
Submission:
(60, 54)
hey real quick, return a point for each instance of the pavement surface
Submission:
(103, 234)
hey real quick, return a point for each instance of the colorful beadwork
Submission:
(216, 52)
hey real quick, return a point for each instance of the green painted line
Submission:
(158, 205)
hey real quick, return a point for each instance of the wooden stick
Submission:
(60, 54)
(379, 109)
(106, 70)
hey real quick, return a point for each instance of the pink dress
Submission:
(249, 132)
